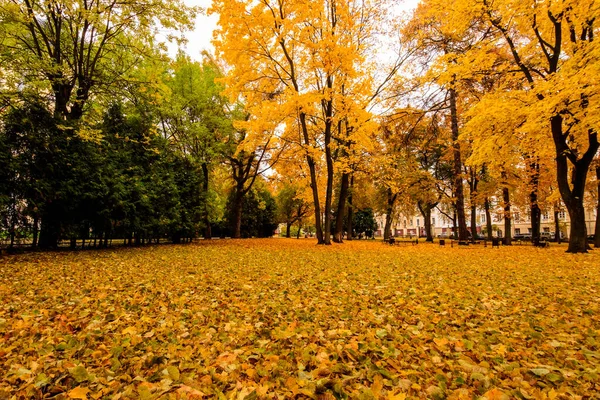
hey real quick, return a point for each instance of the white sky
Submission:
(199, 39)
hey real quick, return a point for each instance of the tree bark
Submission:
(507, 217)
(328, 108)
(391, 201)
(313, 181)
(597, 229)
(488, 218)
(34, 243)
(426, 213)
(459, 202)
(238, 203)
(288, 226)
(350, 228)
(573, 192)
(536, 214)
(50, 231)
(473, 183)
(557, 223)
(341, 208)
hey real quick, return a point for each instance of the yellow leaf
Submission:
(399, 396)
(78, 393)
(129, 331)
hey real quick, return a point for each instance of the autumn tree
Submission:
(551, 46)
(439, 46)
(75, 50)
(307, 67)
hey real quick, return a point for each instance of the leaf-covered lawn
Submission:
(283, 318)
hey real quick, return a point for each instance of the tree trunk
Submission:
(238, 203)
(329, 163)
(557, 223)
(50, 232)
(391, 201)
(459, 202)
(341, 208)
(454, 225)
(473, 183)
(205, 183)
(573, 192)
(507, 217)
(426, 213)
(350, 228)
(488, 218)
(288, 227)
(313, 180)
(597, 229)
(34, 243)
(536, 214)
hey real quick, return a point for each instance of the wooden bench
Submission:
(541, 243)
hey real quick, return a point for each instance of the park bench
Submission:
(541, 243)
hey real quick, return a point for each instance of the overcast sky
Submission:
(199, 39)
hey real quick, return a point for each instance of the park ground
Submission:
(285, 318)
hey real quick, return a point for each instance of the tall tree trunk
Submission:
(34, 243)
(341, 208)
(597, 229)
(473, 183)
(350, 228)
(426, 213)
(454, 225)
(557, 223)
(329, 163)
(391, 202)
(573, 192)
(473, 222)
(536, 213)
(507, 217)
(313, 181)
(238, 203)
(488, 218)
(457, 167)
(50, 231)
(205, 185)
(288, 226)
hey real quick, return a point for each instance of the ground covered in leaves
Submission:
(283, 318)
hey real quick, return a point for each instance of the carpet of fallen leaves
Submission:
(281, 318)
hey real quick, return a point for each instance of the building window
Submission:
(432, 221)
(517, 231)
(545, 216)
(562, 215)
(417, 221)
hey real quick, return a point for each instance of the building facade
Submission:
(442, 226)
